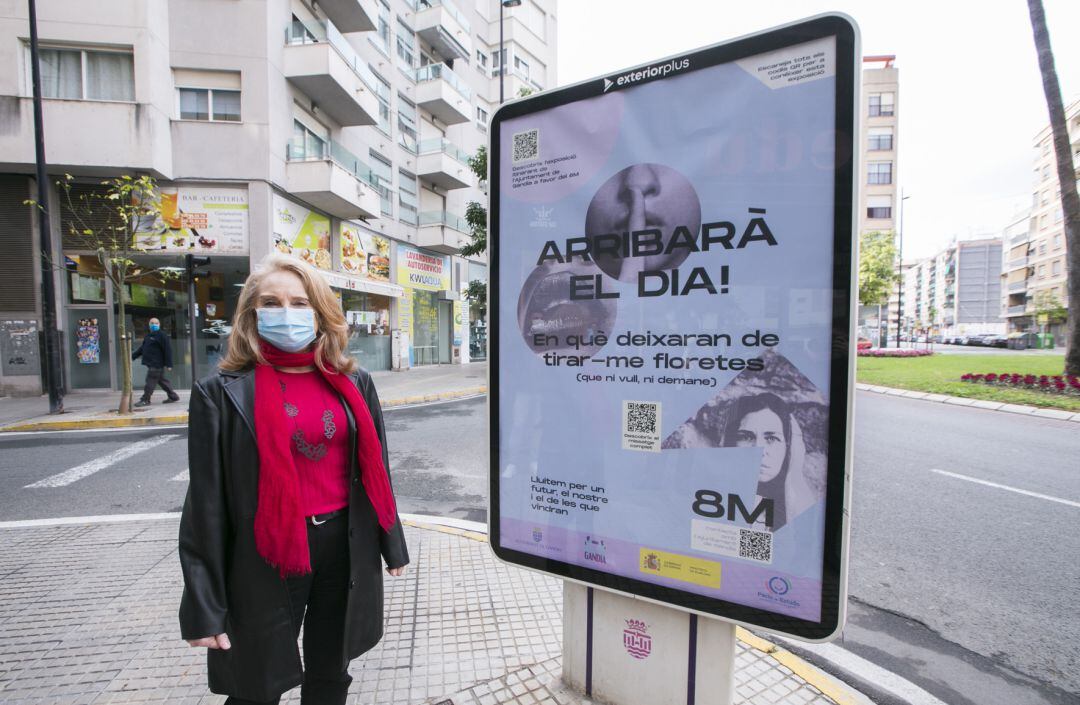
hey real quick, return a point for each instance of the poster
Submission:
(422, 270)
(200, 220)
(669, 247)
(19, 350)
(302, 233)
(88, 342)
(364, 253)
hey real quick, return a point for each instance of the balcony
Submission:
(442, 232)
(352, 15)
(443, 94)
(87, 137)
(338, 183)
(1017, 310)
(320, 62)
(1017, 263)
(445, 28)
(1017, 286)
(515, 81)
(444, 165)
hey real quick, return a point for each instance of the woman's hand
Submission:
(396, 572)
(221, 641)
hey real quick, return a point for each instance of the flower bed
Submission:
(894, 352)
(1056, 384)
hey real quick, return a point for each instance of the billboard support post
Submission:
(621, 650)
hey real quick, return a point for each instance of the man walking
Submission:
(156, 354)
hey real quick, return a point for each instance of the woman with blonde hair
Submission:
(290, 513)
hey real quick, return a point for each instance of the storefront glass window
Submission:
(368, 317)
(425, 325)
(477, 314)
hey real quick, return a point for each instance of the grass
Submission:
(940, 374)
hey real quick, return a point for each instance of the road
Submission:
(965, 588)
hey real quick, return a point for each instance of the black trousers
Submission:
(154, 377)
(318, 602)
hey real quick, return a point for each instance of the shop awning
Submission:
(345, 281)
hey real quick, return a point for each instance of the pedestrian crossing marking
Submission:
(87, 469)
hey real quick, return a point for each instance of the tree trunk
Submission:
(125, 355)
(1070, 201)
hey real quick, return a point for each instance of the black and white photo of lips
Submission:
(546, 309)
(642, 197)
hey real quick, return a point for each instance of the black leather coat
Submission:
(228, 587)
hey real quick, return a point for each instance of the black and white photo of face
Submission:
(640, 197)
(545, 308)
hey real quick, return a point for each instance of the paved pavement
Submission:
(88, 615)
(97, 409)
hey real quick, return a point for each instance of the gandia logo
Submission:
(778, 585)
(647, 72)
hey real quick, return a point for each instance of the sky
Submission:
(970, 101)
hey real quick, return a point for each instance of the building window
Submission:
(75, 74)
(408, 206)
(381, 40)
(482, 61)
(882, 104)
(879, 173)
(1057, 242)
(382, 92)
(878, 206)
(496, 63)
(383, 170)
(408, 135)
(305, 144)
(209, 104)
(521, 68)
(481, 119)
(1055, 268)
(1059, 215)
(406, 44)
(1042, 271)
(880, 139)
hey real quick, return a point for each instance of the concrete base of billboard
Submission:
(626, 651)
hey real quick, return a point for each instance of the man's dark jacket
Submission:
(155, 351)
(228, 587)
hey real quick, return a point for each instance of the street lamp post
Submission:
(502, 51)
(900, 267)
(48, 295)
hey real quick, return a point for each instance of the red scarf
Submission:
(280, 529)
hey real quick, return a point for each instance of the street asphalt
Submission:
(966, 589)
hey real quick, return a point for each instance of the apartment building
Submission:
(337, 131)
(957, 291)
(878, 203)
(1035, 272)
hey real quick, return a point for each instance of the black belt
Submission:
(316, 519)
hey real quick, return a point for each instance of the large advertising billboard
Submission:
(671, 290)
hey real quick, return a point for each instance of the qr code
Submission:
(640, 417)
(755, 545)
(526, 146)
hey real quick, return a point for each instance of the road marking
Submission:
(1017, 490)
(110, 431)
(180, 476)
(97, 464)
(103, 519)
(888, 681)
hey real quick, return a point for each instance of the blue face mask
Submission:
(154, 327)
(288, 329)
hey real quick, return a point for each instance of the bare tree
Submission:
(1070, 202)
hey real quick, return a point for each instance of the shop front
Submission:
(426, 312)
(205, 221)
(477, 313)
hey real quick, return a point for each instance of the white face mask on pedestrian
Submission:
(288, 329)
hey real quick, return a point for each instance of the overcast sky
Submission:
(971, 99)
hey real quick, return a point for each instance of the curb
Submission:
(830, 687)
(182, 418)
(1038, 411)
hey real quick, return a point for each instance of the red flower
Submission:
(1029, 379)
(991, 377)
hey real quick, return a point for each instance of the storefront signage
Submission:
(302, 233)
(364, 254)
(670, 394)
(88, 342)
(203, 220)
(422, 270)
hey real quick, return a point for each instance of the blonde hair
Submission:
(332, 339)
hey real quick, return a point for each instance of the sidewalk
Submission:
(97, 409)
(88, 615)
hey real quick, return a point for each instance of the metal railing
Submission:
(334, 152)
(1017, 309)
(457, 14)
(299, 32)
(1017, 286)
(450, 220)
(1018, 262)
(446, 147)
(435, 72)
